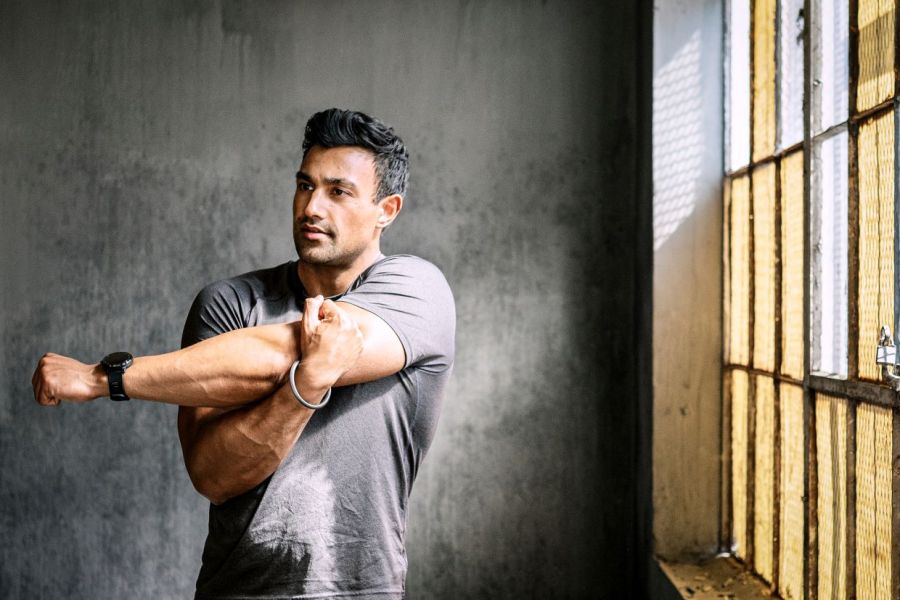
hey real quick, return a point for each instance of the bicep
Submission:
(382, 353)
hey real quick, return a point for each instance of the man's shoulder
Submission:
(409, 260)
(248, 299)
(403, 280)
(404, 266)
(413, 297)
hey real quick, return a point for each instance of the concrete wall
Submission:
(147, 148)
(687, 280)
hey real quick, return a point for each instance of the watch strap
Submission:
(116, 385)
(115, 365)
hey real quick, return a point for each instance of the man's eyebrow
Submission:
(329, 180)
(340, 181)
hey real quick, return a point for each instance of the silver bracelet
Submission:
(296, 392)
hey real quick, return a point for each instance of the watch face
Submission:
(118, 360)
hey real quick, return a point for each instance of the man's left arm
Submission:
(229, 453)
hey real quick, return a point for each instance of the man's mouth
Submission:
(311, 232)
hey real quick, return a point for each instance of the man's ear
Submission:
(388, 207)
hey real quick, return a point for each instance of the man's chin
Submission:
(314, 254)
(326, 255)
(310, 256)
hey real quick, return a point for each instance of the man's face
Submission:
(335, 214)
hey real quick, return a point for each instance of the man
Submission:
(308, 486)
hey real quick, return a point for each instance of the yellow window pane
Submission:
(792, 331)
(764, 267)
(764, 477)
(739, 280)
(831, 503)
(791, 510)
(763, 78)
(875, 19)
(876, 237)
(874, 427)
(740, 391)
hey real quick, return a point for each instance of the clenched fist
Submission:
(59, 378)
(330, 342)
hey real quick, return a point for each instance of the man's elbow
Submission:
(218, 487)
(205, 480)
(211, 489)
(217, 499)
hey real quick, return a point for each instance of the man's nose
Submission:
(314, 205)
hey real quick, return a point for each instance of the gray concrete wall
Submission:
(687, 276)
(147, 148)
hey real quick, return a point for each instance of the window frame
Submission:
(857, 392)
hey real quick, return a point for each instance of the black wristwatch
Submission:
(115, 364)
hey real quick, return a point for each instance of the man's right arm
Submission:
(230, 442)
(228, 452)
(236, 440)
(225, 371)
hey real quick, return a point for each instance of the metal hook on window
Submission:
(886, 356)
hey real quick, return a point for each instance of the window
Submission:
(809, 278)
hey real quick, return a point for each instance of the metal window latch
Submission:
(886, 356)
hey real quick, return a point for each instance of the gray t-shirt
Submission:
(331, 521)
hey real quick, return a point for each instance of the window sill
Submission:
(714, 579)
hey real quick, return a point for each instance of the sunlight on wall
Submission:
(678, 139)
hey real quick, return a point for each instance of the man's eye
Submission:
(303, 186)
(339, 192)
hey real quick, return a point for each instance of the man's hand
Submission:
(61, 378)
(330, 344)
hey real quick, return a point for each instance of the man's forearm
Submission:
(225, 371)
(236, 367)
(231, 453)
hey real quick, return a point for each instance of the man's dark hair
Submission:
(335, 127)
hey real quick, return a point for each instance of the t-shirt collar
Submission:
(300, 292)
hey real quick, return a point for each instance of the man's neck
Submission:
(328, 281)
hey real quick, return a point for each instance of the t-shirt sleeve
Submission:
(412, 296)
(216, 309)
